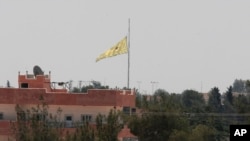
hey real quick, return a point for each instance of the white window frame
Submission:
(68, 123)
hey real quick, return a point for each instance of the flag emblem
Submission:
(119, 48)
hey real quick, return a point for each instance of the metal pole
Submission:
(153, 83)
(128, 51)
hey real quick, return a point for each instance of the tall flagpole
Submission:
(128, 50)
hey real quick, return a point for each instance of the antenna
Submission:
(37, 70)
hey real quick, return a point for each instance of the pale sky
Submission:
(181, 44)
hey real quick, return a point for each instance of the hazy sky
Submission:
(181, 44)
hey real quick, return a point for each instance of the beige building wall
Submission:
(76, 111)
(4, 138)
(8, 111)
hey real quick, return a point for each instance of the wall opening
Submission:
(24, 85)
(1, 116)
(126, 110)
(86, 118)
(68, 121)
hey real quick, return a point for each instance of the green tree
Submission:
(108, 127)
(247, 86)
(36, 120)
(157, 125)
(145, 102)
(229, 95)
(241, 103)
(159, 102)
(164, 102)
(76, 90)
(228, 101)
(138, 99)
(192, 101)
(84, 89)
(239, 86)
(83, 133)
(214, 101)
(179, 135)
(203, 133)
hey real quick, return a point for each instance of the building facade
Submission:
(75, 107)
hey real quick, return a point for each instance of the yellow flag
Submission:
(119, 48)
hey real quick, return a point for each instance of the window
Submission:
(68, 121)
(133, 110)
(86, 118)
(126, 110)
(24, 85)
(39, 117)
(1, 116)
(68, 118)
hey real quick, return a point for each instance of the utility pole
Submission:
(153, 83)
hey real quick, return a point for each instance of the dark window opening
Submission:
(1, 116)
(68, 118)
(24, 85)
(126, 110)
(68, 121)
(133, 110)
(86, 118)
(39, 117)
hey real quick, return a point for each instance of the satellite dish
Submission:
(37, 71)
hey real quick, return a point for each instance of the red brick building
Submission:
(75, 106)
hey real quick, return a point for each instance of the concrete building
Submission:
(76, 107)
